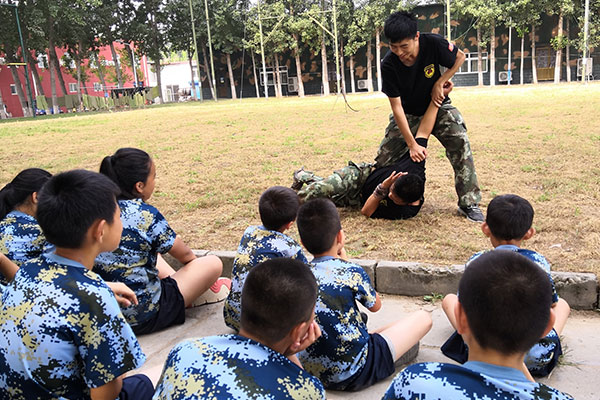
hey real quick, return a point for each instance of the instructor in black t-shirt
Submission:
(412, 79)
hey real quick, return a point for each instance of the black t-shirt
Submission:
(413, 84)
(387, 208)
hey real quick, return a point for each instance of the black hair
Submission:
(127, 167)
(409, 188)
(70, 202)
(278, 206)
(509, 216)
(17, 191)
(318, 224)
(507, 299)
(278, 294)
(399, 26)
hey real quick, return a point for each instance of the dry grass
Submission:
(214, 160)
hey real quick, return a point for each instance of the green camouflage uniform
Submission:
(342, 187)
(451, 131)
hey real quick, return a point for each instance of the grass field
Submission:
(214, 159)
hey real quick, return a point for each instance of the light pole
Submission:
(197, 55)
(262, 53)
(212, 65)
(32, 105)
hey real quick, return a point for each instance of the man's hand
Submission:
(125, 296)
(437, 93)
(418, 153)
(313, 333)
(389, 181)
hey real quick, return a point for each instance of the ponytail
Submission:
(127, 167)
(20, 188)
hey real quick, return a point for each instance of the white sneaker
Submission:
(217, 292)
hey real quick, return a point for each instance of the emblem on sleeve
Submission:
(450, 47)
(429, 70)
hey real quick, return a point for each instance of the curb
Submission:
(579, 289)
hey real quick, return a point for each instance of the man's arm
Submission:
(379, 194)
(7, 267)
(437, 92)
(108, 391)
(428, 120)
(417, 153)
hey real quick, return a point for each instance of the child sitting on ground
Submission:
(508, 223)
(21, 238)
(277, 321)
(499, 319)
(62, 334)
(162, 293)
(347, 356)
(277, 207)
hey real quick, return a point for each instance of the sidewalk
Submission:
(577, 373)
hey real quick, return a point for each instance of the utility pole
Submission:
(212, 64)
(197, 55)
(448, 20)
(262, 53)
(337, 53)
(585, 41)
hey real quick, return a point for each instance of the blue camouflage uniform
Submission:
(472, 381)
(61, 332)
(341, 351)
(21, 239)
(233, 367)
(258, 244)
(542, 357)
(145, 234)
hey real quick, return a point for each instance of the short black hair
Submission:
(318, 224)
(278, 206)
(409, 188)
(399, 26)
(507, 300)
(70, 202)
(509, 216)
(278, 294)
(17, 191)
(127, 167)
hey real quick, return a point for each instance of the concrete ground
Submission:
(577, 373)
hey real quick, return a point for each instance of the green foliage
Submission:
(433, 297)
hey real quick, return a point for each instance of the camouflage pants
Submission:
(342, 187)
(451, 131)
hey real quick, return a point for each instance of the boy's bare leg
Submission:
(164, 269)
(407, 332)
(195, 277)
(562, 311)
(449, 305)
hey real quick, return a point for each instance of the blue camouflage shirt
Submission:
(341, 350)
(542, 353)
(21, 239)
(61, 332)
(233, 367)
(145, 234)
(258, 244)
(472, 381)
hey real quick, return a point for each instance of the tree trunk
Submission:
(276, 76)
(59, 75)
(493, 55)
(36, 76)
(117, 65)
(24, 106)
(159, 80)
(100, 69)
(324, 71)
(78, 69)
(193, 84)
(568, 52)
(256, 77)
(352, 83)
(533, 59)
(3, 113)
(343, 74)
(522, 58)
(231, 80)
(208, 75)
(378, 57)
(298, 66)
(479, 59)
(369, 67)
(55, 109)
(558, 63)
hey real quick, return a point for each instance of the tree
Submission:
(358, 32)
(524, 14)
(295, 26)
(560, 41)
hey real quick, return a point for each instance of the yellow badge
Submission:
(429, 70)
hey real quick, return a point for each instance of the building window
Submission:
(72, 88)
(42, 61)
(470, 64)
(97, 87)
(283, 74)
(13, 89)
